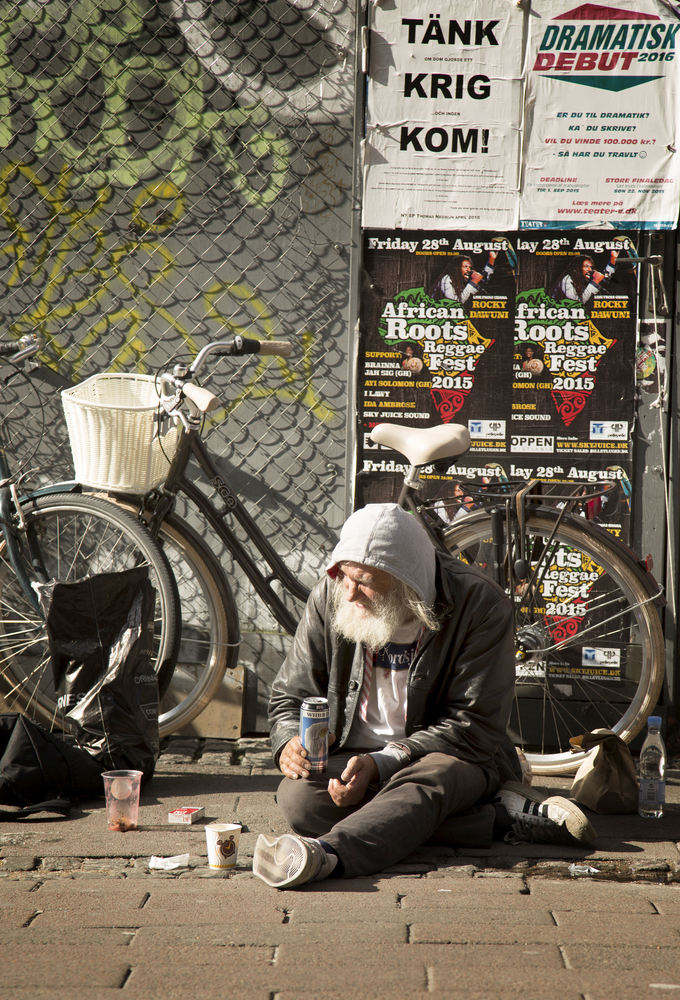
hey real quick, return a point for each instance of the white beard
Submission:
(373, 628)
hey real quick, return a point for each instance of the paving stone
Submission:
(58, 968)
(452, 892)
(104, 864)
(476, 886)
(595, 897)
(205, 873)
(214, 973)
(254, 744)
(73, 993)
(13, 838)
(650, 866)
(260, 760)
(61, 864)
(212, 745)
(368, 992)
(627, 985)
(20, 863)
(218, 761)
(170, 762)
(16, 917)
(654, 958)
(38, 936)
(301, 964)
(14, 890)
(445, 871)
(476, 920)
(504, 874)
(466, 930)
(446, 961)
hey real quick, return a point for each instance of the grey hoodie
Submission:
(387, 537)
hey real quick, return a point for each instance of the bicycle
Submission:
(526, 541)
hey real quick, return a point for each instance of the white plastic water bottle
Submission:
(652, 771)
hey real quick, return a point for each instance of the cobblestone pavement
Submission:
(84, 917)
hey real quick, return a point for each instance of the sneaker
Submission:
(538, 818)
(291, 860)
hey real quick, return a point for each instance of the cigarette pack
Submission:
(188, 814)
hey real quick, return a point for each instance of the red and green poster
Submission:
(528, 339)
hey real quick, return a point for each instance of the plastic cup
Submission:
(122, 799)
(222, 840)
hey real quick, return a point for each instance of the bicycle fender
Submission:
(66, 486)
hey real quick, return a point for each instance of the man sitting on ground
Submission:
(414, 650)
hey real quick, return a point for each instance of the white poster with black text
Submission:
(444, 112)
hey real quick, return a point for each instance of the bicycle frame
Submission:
(191, 444)
(9, 499)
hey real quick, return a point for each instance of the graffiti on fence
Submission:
(147, 113)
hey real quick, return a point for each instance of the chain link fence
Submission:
(173, 173)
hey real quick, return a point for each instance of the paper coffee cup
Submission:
(222, 840)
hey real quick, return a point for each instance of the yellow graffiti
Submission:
(113, 269)
(113, 155)
(297, 386)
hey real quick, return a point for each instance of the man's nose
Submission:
(352, 589)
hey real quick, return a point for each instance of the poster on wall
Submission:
(438, 324)
(526, 339)
(602, 100)
(573, 385)
(444, 110)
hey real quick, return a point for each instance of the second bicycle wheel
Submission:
(210, 628)
(75, 536)
(591, 649)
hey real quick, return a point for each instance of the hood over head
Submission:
(387, 537)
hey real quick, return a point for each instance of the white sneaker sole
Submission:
(281, 863)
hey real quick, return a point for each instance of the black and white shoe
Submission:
(290, 860)
(537, 818)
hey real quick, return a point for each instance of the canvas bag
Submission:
(37, 768)
(100, 632)
(606, 781)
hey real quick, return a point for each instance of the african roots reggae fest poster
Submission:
(528, 339)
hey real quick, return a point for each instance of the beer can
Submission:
(314, 720)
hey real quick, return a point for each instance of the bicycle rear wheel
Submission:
(591, 649)
(77, 536)
(210, 628)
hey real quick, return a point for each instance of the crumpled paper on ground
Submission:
(582, 870)
(167, 864)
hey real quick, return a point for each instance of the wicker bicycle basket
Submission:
(112, 422)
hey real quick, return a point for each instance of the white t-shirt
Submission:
(380, 717)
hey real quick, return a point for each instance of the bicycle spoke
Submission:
(589, 640)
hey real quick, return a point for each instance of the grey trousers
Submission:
(430, 801)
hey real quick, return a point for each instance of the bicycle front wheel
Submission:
(75, 536)
(590, 644)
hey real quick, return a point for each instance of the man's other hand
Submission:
(293, 760)
(358, 775)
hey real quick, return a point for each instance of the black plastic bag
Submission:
(100, 632)
(36, 765)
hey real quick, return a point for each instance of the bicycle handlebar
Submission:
(179, 384)
(237, 348)
(26, 347)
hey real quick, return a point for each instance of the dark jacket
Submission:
(460, 685)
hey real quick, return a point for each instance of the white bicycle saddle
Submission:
(421, 445)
